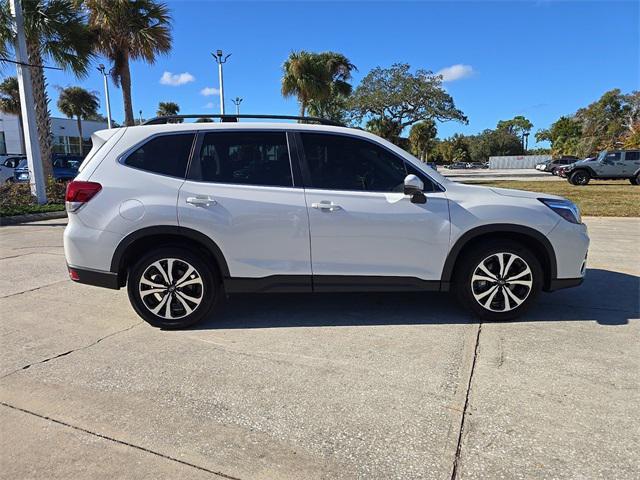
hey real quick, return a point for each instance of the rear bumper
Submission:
(96, 278)
(560, 283)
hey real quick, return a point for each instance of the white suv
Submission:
(185, 213)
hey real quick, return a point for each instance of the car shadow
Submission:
(606, 297)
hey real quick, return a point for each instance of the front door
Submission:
(240, 193)
(361, 223)
(610, 166)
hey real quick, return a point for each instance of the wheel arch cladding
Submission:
(138, 243)
(528, 237)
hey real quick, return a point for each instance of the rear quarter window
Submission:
(165, 155)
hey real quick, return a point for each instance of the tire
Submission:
(489, 299)
(635, 180)
(191, 298)
(580, 177)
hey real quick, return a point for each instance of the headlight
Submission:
(565, 208)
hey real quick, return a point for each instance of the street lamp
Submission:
(220, 59)
(140, 112)
(525, 142)
(104, 73)
(237, 101)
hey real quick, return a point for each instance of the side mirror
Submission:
(413, 187)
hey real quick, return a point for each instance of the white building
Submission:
(64, 133)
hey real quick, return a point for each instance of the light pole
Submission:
(34, 160)
(525, 137)
(140, 112)
(237, 101)
(220, 59)
(104, 73)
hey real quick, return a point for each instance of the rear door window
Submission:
(166, 155)
(631, 156)
(244, 158)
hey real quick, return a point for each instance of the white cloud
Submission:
(176, 79)
(455, 72)
(209, 105)
(208, 91)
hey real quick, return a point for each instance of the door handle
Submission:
(326, 206)
(201, 201)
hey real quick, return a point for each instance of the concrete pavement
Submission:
(325, 386)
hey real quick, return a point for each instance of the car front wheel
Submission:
(635, 180)
(173, 288)
(499, 282)
(580, 177)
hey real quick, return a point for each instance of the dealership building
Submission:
(64, 133)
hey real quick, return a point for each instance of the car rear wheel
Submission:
(498, 282)
(580, 177)
(173, 288)
(635, 180)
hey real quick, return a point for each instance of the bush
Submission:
(16, 198)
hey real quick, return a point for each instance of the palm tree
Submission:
(166, 109)
(316, 77)
(56, 33)
(80, 103)
(10, 101)
(129, 30)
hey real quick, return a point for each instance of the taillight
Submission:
(79, 193)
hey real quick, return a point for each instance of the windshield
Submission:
(23, 163)
(601, 155)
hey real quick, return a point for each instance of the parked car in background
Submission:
(553, 165)
(433, 165)
(476, 165)
(65, 167)
(608, 165)
(8, 166)
(184, 214)
(457, 166)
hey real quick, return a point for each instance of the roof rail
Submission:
(234, 118)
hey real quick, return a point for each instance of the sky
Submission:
(541, 59)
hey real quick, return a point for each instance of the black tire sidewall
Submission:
(576, 175)
(210, 279)
(468, 264)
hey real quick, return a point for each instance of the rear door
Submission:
(362, 224)
(631, 162)
(240, 192)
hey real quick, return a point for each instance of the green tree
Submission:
(320, 81)
(564, 136)
(422, 138)
(403, 97)
(518, 125)
(387, 129)
(79, 103)
(128, 30)
(10, 101)
(166, 109)
(56, 33)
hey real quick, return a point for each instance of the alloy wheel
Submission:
(501, 282)
(171, 288)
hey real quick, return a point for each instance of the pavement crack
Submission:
(64, 354)
(119, 442)
(456, 460)
(34, 289)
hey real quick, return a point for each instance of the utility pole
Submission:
(104, 73)
(220, 60)
(237, 101)
(27, 107)
(140, 117)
